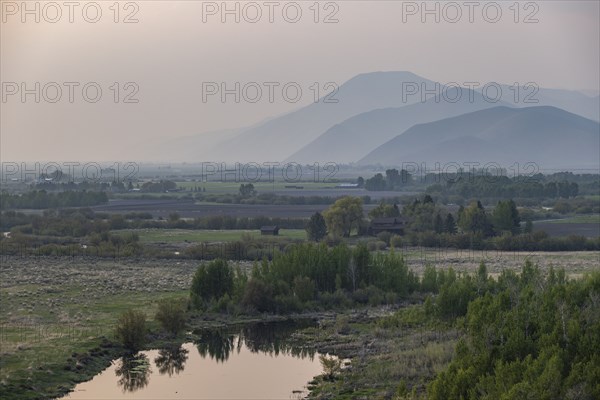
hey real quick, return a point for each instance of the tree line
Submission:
(41, 199)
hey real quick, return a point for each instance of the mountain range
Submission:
(542, 135)
(372, 114)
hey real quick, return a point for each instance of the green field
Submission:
(188, 235)
(580, 219)
(233, 187)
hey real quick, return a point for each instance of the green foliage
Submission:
(304, 288)
(344, 215)
(393, 180)
(40, 199)
(384, 210)
(331, 366)
(258, 296)
(171, 315)
(528, 336)
(131, 329)
(247, 190)
(316, 227)
(420, 214)
(506, 217)
(450, 224)
(505, 187)
(158, 187)
(475, 220)
(211, 282)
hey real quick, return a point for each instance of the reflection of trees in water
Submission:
(216, 344)
(133, 372)
(171, 360)
(272, 338)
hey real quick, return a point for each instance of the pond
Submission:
(252, 362)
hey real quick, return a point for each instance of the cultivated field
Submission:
(210, 236)
(584, 225)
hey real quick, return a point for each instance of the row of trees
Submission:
(41, 199)
(393, 180)
(422, 215)
(505, 187)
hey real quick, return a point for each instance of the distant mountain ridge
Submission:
(352, 139)
(547, 136)
(371, 110)
(278, 138)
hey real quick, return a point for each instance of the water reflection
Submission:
(133, 372)
(171, 360)
(270, 338)
(216, 344)
(265, 361)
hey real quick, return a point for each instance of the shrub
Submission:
(211, 282)
(384, 237)
(304, 288)
(131, 329)
(258, 296)
(331, 366)
(396, 241)
(171, 315)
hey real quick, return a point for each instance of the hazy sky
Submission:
(171, 51)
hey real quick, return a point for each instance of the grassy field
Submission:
(579, 219)
(186, 235)
(52, 308)
(233, 187)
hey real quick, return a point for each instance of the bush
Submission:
(171, 315)
(258, 296)
(304, 288)
(211, 282)
(385, 237)
(396, 241)
(131, 329)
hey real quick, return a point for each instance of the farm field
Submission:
(584, 225)
(188, 235)
(190, 209)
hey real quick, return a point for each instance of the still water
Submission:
(253, 362)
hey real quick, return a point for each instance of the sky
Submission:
(155, 62)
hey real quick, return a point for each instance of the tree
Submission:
(376, 183)
(506, 217)
(344, 215)
(438, 224)
(450, 225)
(171, 315)
(247, 190)
(211, 282)
(385, 211)
(317, 227)
(131, 329)
(474, 220)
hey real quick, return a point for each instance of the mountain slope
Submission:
(357, 136)
(569, 100)
(548, 136)
(278, 138)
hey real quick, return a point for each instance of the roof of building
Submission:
(269, 228)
